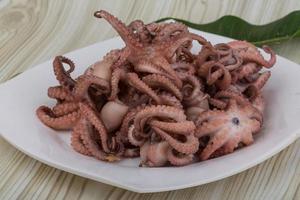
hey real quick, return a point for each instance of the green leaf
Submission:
(280, 30)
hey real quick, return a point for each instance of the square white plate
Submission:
(19, 125)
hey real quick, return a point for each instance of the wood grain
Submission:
(32, 31)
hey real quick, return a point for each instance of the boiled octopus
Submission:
(159, 100)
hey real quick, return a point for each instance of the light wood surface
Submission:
(32, 31)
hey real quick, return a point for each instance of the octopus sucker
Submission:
(159, 98)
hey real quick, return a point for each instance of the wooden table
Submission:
(32, 31)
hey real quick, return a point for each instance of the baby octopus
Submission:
(159, 99)
(228, 128)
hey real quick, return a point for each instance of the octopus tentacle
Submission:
(148, 67)
(120, 27)
(231, 95)
(247, 69)
(64, 108)
(194, 82)
(215, 143)
(217, 103)
(207, 116)
(154, 155)
(76, 141)
(247, 57)
(138, 27)
(128, 121)
(116, 76)
(259, 103)
(184, 67)
(261, 80)
(199, 38)
(247, 139)
(184, 128)
(208, 128)
(179, 160)
(87, 135)
(169, 47)
(249, 53)
(156, 81)
(85, 81)
(122, 60)
(163, 64)
(206, 52)
(136, 82)
(92, 117)
(160, 111)
(232, 61)
(59, 93)
(169, 30)
(189, 146)
(61, 74)
(134, 138)
(64, 122)
(170, 100)
(221, 77)
(230, 145)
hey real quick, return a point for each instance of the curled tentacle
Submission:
(188, 146)
(85, 81)
(64, 108)
(90, 115)
(63, 76)
(90, 142)
(64, 122)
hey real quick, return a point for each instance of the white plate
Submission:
(19, 126)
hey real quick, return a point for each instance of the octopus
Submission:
(65, 114)
(228, 128)
(157, 99)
